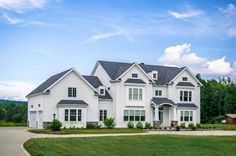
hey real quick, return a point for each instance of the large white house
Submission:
(163, 96)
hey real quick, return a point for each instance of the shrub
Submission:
(182, 125)
(198, 125)
(109, 122)
(90, 126)
(130, 125)
(147, 125)
(3, 114)
(190, 125)
(55, 125)
(177, 128)
(194, 128)
(139, 125)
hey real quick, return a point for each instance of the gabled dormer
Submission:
(154, 75)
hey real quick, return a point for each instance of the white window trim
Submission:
(134, 77)
(187, 96)
(133, 94)
(140, 115)
(76, 120)
(188, 115)
(72, 92)
(158, 93)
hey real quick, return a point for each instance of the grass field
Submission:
(12, 124)
(133, 145)
(220, 126)
(88, 131)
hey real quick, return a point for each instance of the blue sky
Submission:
(43, 37)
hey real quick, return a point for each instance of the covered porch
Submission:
(164, 112)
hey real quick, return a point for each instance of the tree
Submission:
(3, 114)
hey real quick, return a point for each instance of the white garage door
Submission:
(32, 119)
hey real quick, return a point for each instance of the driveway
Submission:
(11, 139)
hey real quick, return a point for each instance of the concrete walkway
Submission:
(11, 138)
(192, 133)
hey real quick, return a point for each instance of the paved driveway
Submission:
(11, 139)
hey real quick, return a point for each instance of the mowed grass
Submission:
(220, 126)
(133, 145)
(12, 124)
(88, 131)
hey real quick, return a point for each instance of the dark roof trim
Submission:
(160, 101)
(188, 84)
(187, 105)
(139, 81)
(69, 103)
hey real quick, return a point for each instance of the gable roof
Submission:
(165, 73)
(51, 80)
(95, 82)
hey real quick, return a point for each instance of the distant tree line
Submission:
(217, 100)
(13, 111)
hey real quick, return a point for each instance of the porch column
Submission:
(156, 118)
(175, 113)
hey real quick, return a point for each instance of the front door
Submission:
(161, 116)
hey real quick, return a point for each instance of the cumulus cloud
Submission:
(188, 14)
(21, 5)
(15, 90)
(230, 9)
(182, 55)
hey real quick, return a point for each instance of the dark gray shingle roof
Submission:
(165, 73)
(189, 84)
(187, 105)
(72, 102)
(48, 82)
(107, 96)
(93, 80)
(135, 81)
(159, 101)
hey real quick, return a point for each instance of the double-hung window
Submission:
(186, 116)
(158, 92)
(135, 93)
(103, 115)
(134, 115)
(71, 92)
(186, 96)
(73, 115)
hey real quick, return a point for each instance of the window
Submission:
(134, 75)
(73, 115)
(102, 91)
(154, 75)
(103, 115)
(184, 78)
(66, 114)
(79, 115)
(126, 115)
(186, 116)
(135, 93)
(182, 116)
(71, 92)
(134, 115)
(158, 93)
(186, 96)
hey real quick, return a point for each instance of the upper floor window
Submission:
(135, 93)
(71, 92)
(102, 91)
(184, 78)
(186, 96)
(134, 75)
(154, 75)
(103, 115)
(158, 92)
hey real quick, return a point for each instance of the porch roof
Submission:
(71, 103)
(159, 101)
(187, 105)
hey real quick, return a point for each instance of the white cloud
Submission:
(21, 5)
(188, 14)
(11, 20)
(219, 66)
(103, 36)
(230, 9)
(182, 55)
(15, 90)
(231, 32)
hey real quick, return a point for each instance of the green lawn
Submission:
(133, 145)
(221, 126)
(12, 124)
(88, 131)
